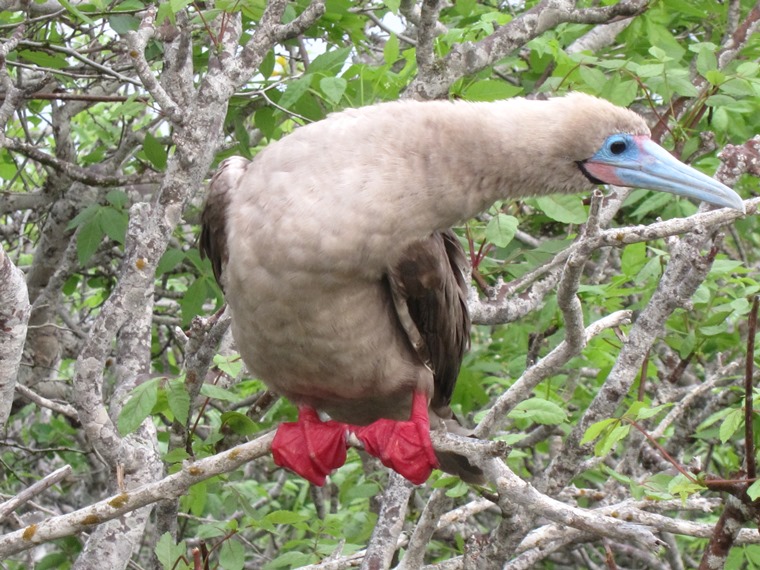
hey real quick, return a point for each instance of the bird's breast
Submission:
(331, 343)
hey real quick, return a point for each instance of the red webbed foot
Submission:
(310, 447)
(405, 447)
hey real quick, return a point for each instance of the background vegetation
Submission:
(629, 416)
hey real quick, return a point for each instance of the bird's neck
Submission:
(480, 153)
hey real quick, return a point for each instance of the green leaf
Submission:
(196, 498)
(138, 407)
(239, 423)
(231, 365)
(393, 5)
(193, 299)
(217, 393)
(117, 198)
(113, 223)
(706, 60)
(294, 91)
(501, 229)
(391, 50)
(176, 456)
(733, 421)
(265, 121)
(596, 429)
(633, 259)
(73, 10)
(178, 5)
(169, 260)
(683, 486)
(563, 208)
(611, 439)
(285, 517)
(490, 90)
(232, 555)
(154, 152)
(179, 400)
(84, 216)
(645, 413)
(123, 23)
(753, 491)
(540, 411)
(330, 62)
(89, 238)
(267, 64)
(593, 77)
(290, 559)
(458, 490)
(44, 59)
(333, 88)
(168, 552)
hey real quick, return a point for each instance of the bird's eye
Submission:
(618, 147)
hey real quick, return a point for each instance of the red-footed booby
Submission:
(346, 289)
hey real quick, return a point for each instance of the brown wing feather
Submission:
(429, 290)
(213, 238)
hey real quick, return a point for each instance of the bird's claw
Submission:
(405, 447)
(310, 447)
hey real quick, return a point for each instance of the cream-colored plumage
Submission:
(319, 240)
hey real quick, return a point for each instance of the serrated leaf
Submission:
(333, 88)
(593, 77)
(633, 259)
(490, 90)
(176, 456)
(179, 400)
(264, 121)
(231, 365)
(217, 393)
(391, 50)
(193, 299)
(239, 423)
(117, 198)
(330, 61)
(44, 59)
(266, 68)
(154, 152)
(459, 490)
(646, 413)
(733, 421)
(540, 411)
(294, 91)
(753, 491)
(706, 61)
(683, 486)
(138, 407)
(232, 555)
(565, 209)
(393, 5)
(84, 216)
(290, 559)
(169, 260)
(113, 223)
(285, 517)
(501, 229)
(123, 23)
(73, 9)
(610, 439)
(88, 239)
(168, 552)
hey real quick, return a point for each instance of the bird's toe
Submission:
(310, 447)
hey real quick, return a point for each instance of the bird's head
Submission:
(620, 151)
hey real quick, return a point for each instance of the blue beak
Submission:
(638, 162)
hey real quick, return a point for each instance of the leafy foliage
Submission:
(85, 107)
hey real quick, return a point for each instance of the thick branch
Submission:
(14, 316)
